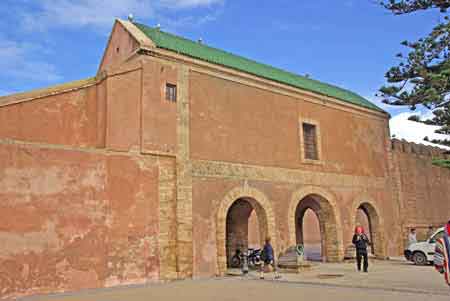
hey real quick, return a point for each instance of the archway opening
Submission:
(246, 227)
(367, 217)
(316, 228)
(311, 236)
(363, 220)
(254, 237)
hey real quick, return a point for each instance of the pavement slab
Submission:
(386, 280)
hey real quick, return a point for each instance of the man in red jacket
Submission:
(361, 241)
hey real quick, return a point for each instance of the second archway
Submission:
(316, 228)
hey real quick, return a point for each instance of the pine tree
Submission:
(423, 75)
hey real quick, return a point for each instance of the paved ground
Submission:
(393, 280)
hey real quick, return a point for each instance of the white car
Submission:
(422, 253)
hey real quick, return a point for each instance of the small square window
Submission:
(171, 92)
(310, 141)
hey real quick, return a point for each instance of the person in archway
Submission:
(361, 241)
(268, 258)
(442, 254)
(412, 237)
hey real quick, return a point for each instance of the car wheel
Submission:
(419, 258)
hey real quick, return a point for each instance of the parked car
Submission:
(422, 253)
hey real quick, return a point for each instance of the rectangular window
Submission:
(171, 92)
(310, 141)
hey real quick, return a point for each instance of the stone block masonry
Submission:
(423, 189)
(105, 182)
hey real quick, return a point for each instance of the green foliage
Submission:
(445, 142)
(423, 75)
(415, 118)
(442, 162)
(408, 6)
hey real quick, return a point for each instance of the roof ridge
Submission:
(231, 53)
(179, 37)
(46, 91)
(276, 73)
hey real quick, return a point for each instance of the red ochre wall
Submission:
(79, 202)
(80, 176)
(423, 189)
(75, 219)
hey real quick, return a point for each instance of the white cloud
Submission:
(96, 13)
(173, 25)
(379, 103)
(17, 59)
(412, 131)
(100, 14)
(25, 60)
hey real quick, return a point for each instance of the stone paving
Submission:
(386, 280)
(398, 275)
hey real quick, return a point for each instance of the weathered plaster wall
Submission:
(66, 119)
(311, 228)
(124, 110)
(254, 237)
(159, 116)
(80, 204)
(120, 46)
(74, 219)
(423, 189)
(212, 181)
(235, 122)
(243, 135)
(112, 184)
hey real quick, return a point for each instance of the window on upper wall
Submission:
(171, 92)
(310, 141)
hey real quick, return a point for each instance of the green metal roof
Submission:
(216, 56)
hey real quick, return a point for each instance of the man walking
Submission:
(268, 258)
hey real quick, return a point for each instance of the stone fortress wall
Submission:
(105, 182)
(421, 188)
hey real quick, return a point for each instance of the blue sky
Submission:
(350, 43)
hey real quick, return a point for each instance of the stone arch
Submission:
(323, 203)
(263, 208)
(376, 223)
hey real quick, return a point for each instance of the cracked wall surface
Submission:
(111, 184)
(75, 219)
(243, 135)
(422, 189)
(84, 205)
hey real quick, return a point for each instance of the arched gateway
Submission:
(324, 206)
(232, 221)
(371, 216)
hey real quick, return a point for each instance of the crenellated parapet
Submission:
(404, 146)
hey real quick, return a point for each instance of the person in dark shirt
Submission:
(361, 241)
(268, 258)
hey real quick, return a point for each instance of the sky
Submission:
(349, 43)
